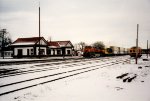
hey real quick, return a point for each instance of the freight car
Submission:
(134, 50)
(115, 51)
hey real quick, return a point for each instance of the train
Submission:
(90, 51)
(134, 51)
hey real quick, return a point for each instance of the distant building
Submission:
(60, 48)
(29, 47)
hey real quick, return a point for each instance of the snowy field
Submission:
(99, 79)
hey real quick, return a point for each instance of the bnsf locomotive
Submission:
(90, 51)
(134, 50)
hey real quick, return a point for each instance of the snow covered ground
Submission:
(31, 59)
(125, 81)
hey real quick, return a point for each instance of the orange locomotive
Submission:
(133, 51)
(90, 51)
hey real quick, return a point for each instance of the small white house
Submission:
(60, 48)
(29, 47)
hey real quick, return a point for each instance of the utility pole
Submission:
(147, 49)
(136, 59)
(39, 30)
(3, 43)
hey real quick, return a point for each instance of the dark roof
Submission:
(31, 39)
(59, 43)
(52, 43)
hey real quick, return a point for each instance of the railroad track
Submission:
(33, 69)
(24, 84)
(5, 63)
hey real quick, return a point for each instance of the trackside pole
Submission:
(39, 31)
(147, 49)
(136, 59)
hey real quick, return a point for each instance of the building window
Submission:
(53, 52)
(58, 52)
(42, 52)
(49, 52)
(32, 52)
(5, 53)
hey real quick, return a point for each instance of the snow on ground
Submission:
(32, 59)
(121, 82)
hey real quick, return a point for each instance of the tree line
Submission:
(97, 45)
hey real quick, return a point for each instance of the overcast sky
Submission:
(112, 21)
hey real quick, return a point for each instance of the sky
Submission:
(113, 22)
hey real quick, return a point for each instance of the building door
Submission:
(19, 53)
(63, 51)
(68, 52)
(27, 52)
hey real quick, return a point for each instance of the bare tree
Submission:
(5, 41)
(99, 45)
(82, 45)
(5, 38)
(76, 46)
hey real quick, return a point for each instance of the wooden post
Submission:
(39, 30)
(147, 49)
(136, 59)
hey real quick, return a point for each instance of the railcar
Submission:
(134, 51)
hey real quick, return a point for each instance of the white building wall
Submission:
(68, 49)
(68, 45)
(52, 52)
(55, 50)
(24, 50)
(37, 50)
(42, 42)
